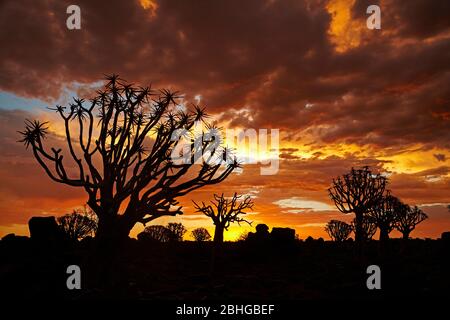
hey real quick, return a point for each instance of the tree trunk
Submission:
(111, 235)
(112, 229)
(384, 234)
(218, 234)
(406, 234)
(359, 234)
(217, 250)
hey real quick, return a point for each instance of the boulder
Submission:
(9, 237)
(13, 238)
(261, 234)
(262, 229)
(45, 229)
(14, 244)
(283, 234)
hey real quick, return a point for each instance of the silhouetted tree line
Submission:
(364, 193)
(172, 232)
(82, 223)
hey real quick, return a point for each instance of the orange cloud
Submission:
(344, 30)
(150, 5)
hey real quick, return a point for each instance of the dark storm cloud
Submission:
(257, 63)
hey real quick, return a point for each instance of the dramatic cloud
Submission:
(274, 59)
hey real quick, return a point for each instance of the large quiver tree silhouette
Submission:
(356, 192)
(224, 211)
(385, 214)
(408, 218)
(121, 144)
(338, 230)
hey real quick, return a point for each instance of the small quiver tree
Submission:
(338, 230)
(224, 211)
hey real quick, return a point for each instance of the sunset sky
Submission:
(340, 94)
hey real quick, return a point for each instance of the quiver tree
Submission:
(384, 214)
(79, 224)
(224, 211)
(123, 143)
(338, 230)
(356, 192)
(368, 228)
(408, 218)
(201, 234)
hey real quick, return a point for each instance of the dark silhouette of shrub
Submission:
(171, 232)
(107, 138)
(356, 192)
(155, 233)
(201, 234)
(176, 231)
(338, 230)
(244, 236)
(225, 211)
(79, 224)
